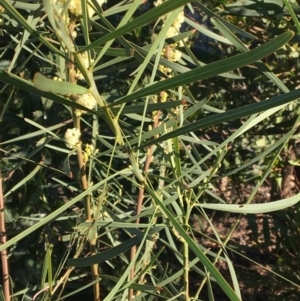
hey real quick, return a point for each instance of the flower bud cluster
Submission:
(72, 137)
(86, 100)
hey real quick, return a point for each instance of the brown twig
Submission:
(4, 258)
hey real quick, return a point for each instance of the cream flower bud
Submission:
(74, 34)
(72, 137)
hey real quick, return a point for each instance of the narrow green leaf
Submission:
(46, 84)
(235, 29)
(139, 109)
(46, 130)
(24, 180)
(207, 32)
(105, 255)
(37, 133)
(292, 13)
(254, 208)
(212, 69)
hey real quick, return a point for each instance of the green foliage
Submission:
(130, 206)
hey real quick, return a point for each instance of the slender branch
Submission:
(140, 200)
(4, 258)
(84, 186)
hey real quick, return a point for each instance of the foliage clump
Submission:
(137, 165)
